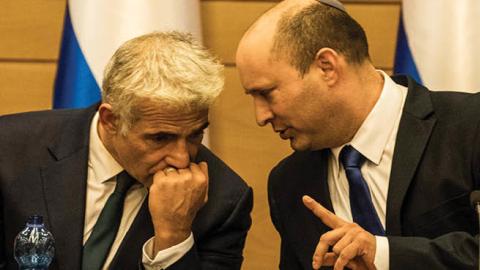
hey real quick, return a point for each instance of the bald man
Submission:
(382, 168)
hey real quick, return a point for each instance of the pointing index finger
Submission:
(327, 217)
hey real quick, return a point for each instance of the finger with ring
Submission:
(169, 169)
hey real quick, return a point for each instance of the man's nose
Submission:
(263, 113)
(179, 156)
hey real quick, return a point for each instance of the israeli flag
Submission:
(439, 43)
(94, 29)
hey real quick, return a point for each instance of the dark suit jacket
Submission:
(436, 164)
(43, 170)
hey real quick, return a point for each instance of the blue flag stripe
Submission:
(404, 62)
(75, 85)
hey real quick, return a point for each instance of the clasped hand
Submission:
(352, 246)
(175, 197)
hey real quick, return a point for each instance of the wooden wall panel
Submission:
(379, 20)
(25, 86)
(224, 23)
(30, 29)
(251, 151)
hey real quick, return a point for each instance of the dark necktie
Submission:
(97, 247)
(361, 204)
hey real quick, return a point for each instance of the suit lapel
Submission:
(64, 185)
(319, 187)
(304, 228)
(414, 131)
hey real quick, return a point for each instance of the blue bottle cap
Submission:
(35, 220)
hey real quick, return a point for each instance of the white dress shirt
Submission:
(375, 140)
(102, 169)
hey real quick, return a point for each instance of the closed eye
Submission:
(259, 91)
(197, 136)
(265, 93)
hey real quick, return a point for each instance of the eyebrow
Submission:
(201, 128)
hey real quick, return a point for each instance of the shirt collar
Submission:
(372, 136)
(102, 163)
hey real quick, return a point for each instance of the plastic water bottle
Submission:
(34, 246)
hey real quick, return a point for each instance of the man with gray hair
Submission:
(126, 183)
(382, 169)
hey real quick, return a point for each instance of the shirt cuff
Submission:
(166, 257)
(382, 254)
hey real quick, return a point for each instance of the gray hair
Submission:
(170, 68)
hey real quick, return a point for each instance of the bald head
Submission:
(295, 30)
(259, 37)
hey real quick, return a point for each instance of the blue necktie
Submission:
(361, 204)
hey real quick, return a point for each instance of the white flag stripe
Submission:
(444, 39)
(101, 26)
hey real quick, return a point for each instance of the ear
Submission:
(327, 61)
(107, 119)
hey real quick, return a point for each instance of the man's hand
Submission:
(174, 200)
(353, 247)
